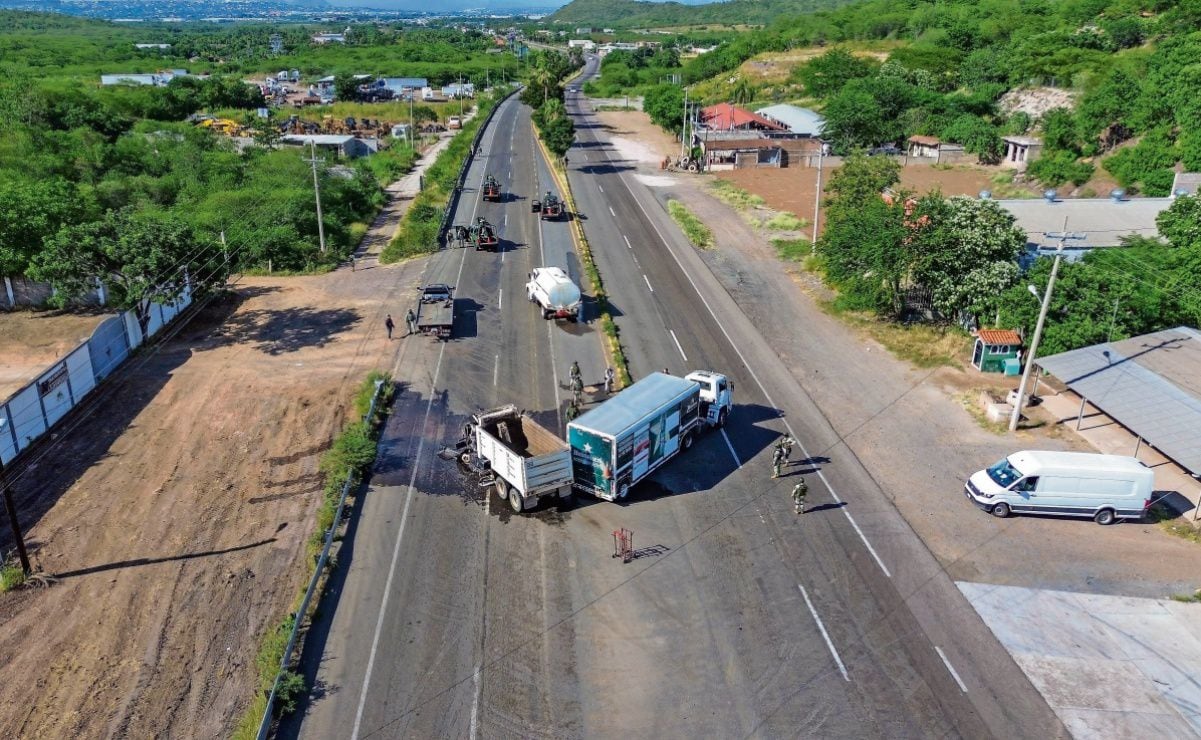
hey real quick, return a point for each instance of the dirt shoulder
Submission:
(31, 340)
(175, 517)
(912, 430)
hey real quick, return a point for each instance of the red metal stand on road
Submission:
(623, 544)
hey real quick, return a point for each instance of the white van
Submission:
(1105, 487)
(554, 292)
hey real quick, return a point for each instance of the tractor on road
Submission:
(552, 207)
(482, 235)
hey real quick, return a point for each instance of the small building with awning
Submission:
(737, 154)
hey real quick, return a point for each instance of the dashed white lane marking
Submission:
(825, 635)
(628, 245)
(648, 282)
(601, 187)
(677, 341)
(495, 371)
(500, 298)
(951, 669)
(763, 389)
(611, 211)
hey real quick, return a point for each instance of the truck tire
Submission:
(1105, 517)
(547, 313)
(1000, 510)
(515, 500)
(686, 442)
(623, 490)
(501, 488)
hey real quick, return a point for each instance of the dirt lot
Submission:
(175, 517)
(31, 340)
(636, 138)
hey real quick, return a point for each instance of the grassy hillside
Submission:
(634, 14)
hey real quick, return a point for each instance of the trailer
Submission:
(520, 460)
(436, 310)
(619, 443)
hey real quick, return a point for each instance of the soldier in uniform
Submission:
(799, 491)
(777, 460)
(575, 371)
(577, 389)
(572, 410)
(411, 322)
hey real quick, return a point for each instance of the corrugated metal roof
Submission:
(725, 116)
(798, 120)
(634, 403)
(1149, 384)
(1103, 221)
(318, 139)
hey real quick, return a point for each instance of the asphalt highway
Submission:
(448, 615)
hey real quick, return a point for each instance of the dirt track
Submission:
(175, 517)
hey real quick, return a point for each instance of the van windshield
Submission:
(1003, 474)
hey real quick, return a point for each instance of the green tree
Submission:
(966, 253)
(346, 88)
(32, 211)
(140, 259)
(1107, 112)
(977, 136)
(861, 179)
(665, 106)
(865, 255)
(827, 74)
(1180, 224)
(558, 132)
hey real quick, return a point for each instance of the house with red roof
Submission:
(729, 117)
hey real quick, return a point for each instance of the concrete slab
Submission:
(1110, 666)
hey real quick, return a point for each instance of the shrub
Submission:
(693, 227)
(1054, 168)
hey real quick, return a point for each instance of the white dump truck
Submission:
(555, 293)
(518, 458)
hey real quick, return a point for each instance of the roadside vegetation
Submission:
(418, 232)
(698, 234)
(12, 576)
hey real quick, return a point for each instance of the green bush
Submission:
(1054, 168)
(785, 221)
(1147, 166)
(11, 576)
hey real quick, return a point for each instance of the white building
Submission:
(585, 44)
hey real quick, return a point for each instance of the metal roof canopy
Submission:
(1150, 384)
(634, 404)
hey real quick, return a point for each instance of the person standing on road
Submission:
(609, 375)
(572, 410)
(577, 389)
(787, 442)
(777, 460)
(799, 491)
(574, 372)
(389, 324)
(411, 323)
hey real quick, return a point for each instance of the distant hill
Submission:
(635, 14)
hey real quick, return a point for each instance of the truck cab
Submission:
(717, 396)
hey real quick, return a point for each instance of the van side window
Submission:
(1027, 484)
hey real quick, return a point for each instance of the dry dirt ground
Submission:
(174, 518)
(31, 340)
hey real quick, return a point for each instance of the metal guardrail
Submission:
(267, 720)
(452, 203)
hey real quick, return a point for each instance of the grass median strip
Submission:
(346, 463)
(617, 357)
(693, 228)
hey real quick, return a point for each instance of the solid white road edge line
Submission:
(404, 518)
(733, 454)
(758, 382)
(825, 635)
(677, 341)
(951, 669)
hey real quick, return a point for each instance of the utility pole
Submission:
(225, 251)
(15, 525)
(817, 198)
(317, 192)
(1038, 327)
(460, 96)
(412, 123)
(684, 132)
